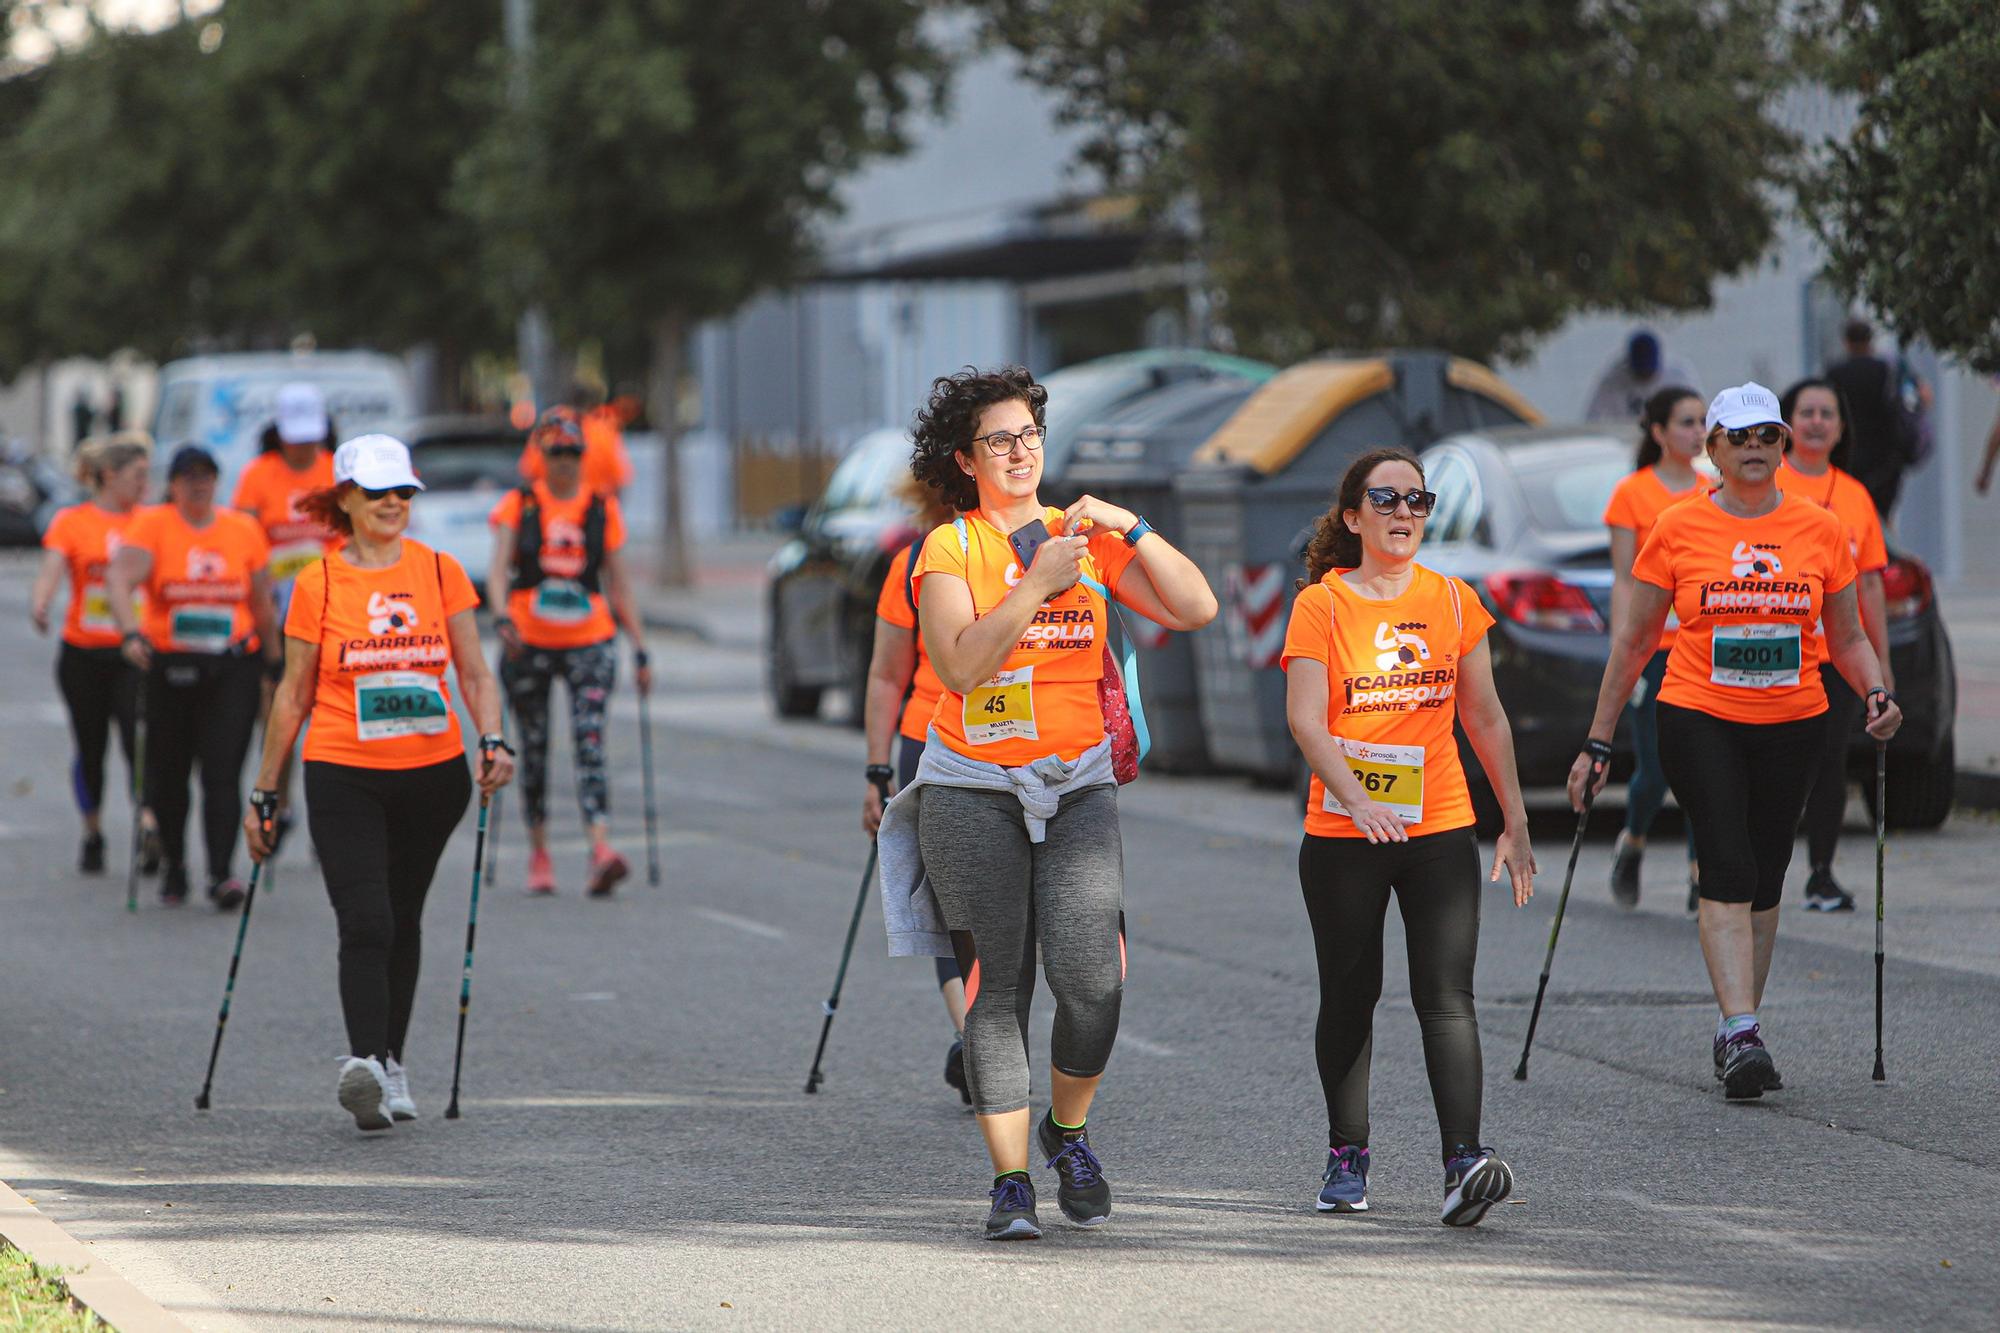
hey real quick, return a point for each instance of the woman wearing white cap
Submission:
(372, 630)
(1749, 570)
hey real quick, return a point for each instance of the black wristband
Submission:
(265, 803)
(1598, 752)
(130, 635)
(640, 659)
(880, 776)
(488, 744)
(1885, 692)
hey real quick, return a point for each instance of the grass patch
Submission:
(33, 1300)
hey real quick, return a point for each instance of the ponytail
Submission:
(1659, 410)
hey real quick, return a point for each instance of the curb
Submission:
(1977, 791)
(92, 1283)
(668, 623)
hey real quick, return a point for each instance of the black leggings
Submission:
(100, 687)
(199, 709)
(379, 834)
(1828, 801)
(1346, 882)
(1742, 786)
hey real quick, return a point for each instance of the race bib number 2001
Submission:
(1755, 657)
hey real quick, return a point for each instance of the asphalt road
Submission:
(636, 1151)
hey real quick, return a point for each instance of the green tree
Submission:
(669, 159)
(1428, 171)
(1909, 206)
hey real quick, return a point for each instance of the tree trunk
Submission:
(675, 567)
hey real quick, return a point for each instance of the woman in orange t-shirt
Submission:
(1669, 444)
(1389, 810)
(1814, 469)
(206, 639)
(99, 687)
(372, 630)
(1749, 569)
(1015, 804)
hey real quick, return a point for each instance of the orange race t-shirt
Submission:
(894, 606)
(381, 700)
(560, 612)
(1637, 503)
(269, 491)
(86, 537)
(1392, 694)
(606, 465)
(1748, 592)
(198, 589)
(1848, 500)
(1043, 700)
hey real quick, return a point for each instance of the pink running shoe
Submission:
(541, 872)
(606, 869)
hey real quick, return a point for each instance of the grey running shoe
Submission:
(1747, 1070)
(1083, 1194)
(1775, 1083)
(1474, 1181)
(1823, 894)
(1013, 1215)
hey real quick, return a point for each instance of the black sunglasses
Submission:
(1383, 499)
(1765, 435)
(400, 492)
(564, 451)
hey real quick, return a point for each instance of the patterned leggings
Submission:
(589, 672)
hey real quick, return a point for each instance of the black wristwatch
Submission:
(490, 743)
(265, 803)
(1885, 692)
(1137, 530)
(880, 776)
(1598, 752)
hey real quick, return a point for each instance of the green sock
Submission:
(1067, 1131)
(1004, 1176)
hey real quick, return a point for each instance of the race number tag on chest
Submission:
(399, 703)
(1755, 657)
(1003, 709)
(201, 628)
(96, 613)
(288, 560)
(1390, 774)
(562, 602)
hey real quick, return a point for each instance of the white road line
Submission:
(1142, 1045)
(742, 923)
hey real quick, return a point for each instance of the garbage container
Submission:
(1130, 458)
(1269, 470)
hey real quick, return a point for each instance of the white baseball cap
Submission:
(301, 414)
(374, 463)
(1745, 405)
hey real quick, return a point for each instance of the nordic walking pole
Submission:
(138, 810)
(1881, 837)
(646, 764)
(814, 1079)
(267, 811)
(471, 929)
(1598, 759)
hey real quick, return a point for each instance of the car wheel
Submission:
(1920, 790)
(788, 698)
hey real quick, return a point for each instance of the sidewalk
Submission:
(1972, 611)
(726, 605)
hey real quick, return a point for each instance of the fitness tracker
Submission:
(491, 743)
(1137, 530)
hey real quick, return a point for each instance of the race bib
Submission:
(1003, 709)
(287, 561)
(400, 703)
(1390, 774)
(96, 613)
(562, 602)
(1755, 657)
(203, 628)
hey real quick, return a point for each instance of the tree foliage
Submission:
(1909, 206)
(1427, 171)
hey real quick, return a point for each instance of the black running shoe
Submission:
(1083, 1193)
(227, 894)
(1747, 1070)
(1823, 894)
(91, 859)
(1776, 1083)
(1474, 1180)
(1625, 872)
(1694, 895)
(1013, 1215)
(954, 1069)
(173, 886)
(151, 854)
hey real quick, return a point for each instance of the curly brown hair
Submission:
(944, 427)
(1332, 545)
(323, 506)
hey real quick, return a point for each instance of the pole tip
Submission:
(1521, 1072)
(201, 1102)
(451, 1112)
(1881, 1076)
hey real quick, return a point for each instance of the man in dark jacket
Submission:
(1883, 430)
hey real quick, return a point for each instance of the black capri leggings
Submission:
(379, 834)
(200, 709)
(1347, 882)
(1742, 786)
(100, 687)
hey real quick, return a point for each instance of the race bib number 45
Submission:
(399, 703)
(1003, 709)
(1391, 774)
(1755, 657)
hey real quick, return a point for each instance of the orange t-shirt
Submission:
(1748, 592)
(606, 465)
(894, 606)
(86, 537)
(1392, 694)
(1043, 700)
(560, 612)
(1849, 501)
(198, 590)
(381, 700)
(269, 491)
(1637, 503)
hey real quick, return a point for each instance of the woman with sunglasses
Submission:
(373, 628)
(1749, 569)
(1381, 657)
(1814, 469)
(1665, 475)
(559, 580)
(1013, 810)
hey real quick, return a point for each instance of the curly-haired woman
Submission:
(1007, 836)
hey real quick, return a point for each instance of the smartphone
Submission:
(1026, 540)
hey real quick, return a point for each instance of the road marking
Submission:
(742, 923)
(595, 996)
(1756, 1229)
(1142, 1045)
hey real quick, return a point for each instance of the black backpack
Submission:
(528, 543)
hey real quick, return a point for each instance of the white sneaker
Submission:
(364, 1090)
(398, 1098)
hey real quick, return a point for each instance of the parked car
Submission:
(32, 489)
(467, 463)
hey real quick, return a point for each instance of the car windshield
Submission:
(1567, 489)
(863, 479)
(467, 465)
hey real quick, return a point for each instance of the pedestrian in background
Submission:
(99, 686)
(607, 467)
(1886, 415)
(1622, 391)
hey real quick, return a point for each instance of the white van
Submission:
(224, 402)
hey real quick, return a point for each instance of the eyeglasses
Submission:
(564, 451)
(1384, 499)
(400, 492)
(1000, 443)
(1767, 437)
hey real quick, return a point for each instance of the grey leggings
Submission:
(1001, 895)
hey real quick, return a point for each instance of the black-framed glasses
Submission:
(1767, 436)
(400, 492)
(1000, 443)
(1384, 499)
